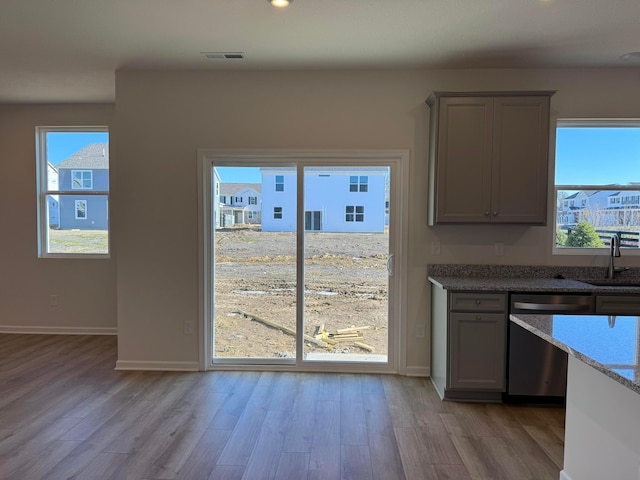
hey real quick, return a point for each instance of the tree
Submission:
(584, 235)
(561, 238)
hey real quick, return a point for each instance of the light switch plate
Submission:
(435, 248)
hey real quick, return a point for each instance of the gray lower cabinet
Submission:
(469, 340)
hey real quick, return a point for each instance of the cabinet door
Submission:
(520, 160)
(463, 165)
(477, 347)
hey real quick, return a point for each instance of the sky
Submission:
(584, 156)
(61, 145)
(239, 174)
(597, 156)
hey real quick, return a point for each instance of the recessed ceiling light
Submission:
(631, 57)
(280, 3)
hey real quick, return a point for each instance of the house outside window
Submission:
(591, 196)
(81, 179)
(72, 169)
(277, 213)
(279, 183)
(358, 183)
(252, 215)
(223, 199)
(81, 209)
(253, 200)
(354, 213)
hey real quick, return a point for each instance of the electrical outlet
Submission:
(421, 330)
(188, 327)
(53, 300)
(435, 248)
(498, 249)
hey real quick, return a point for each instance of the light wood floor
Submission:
(65, 413)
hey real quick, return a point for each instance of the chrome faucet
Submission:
(614, 251)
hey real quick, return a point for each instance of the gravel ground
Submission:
(346, 285)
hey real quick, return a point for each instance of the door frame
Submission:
(398, 160)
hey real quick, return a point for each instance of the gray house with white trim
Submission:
(83, 172)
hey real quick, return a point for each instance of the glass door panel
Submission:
(346, 249)
(254, 263)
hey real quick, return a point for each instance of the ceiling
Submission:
(69, 50)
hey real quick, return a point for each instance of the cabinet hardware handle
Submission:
(486, 213)
(495, 214)
(478, 317)
(477, 302)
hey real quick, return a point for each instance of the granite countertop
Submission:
(529, 278)
(608, 343)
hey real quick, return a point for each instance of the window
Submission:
(253, 200)
(81, 209)
(81, 179)
(277, 213)
(279, 183)
(597, 181)
(358, 183)
(238, 199)
(223, 199)
(69, 160)
(354, 213)
(253, 215)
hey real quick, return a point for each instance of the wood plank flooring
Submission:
(66, 414)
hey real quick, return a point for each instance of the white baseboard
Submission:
(564, 475)
(418, 371)
(48, 330)
(157, 366)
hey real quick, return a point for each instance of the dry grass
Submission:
(79, 241)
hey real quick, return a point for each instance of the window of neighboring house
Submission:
(81, 179)
(223, 199)
(354, 213)
(217, 189)
(238, 199)
(598, 168)
(253, 215)
(71, 159)
(358, 183)
(279, 183)
(277, 213)
(81, 209)
(253, 200)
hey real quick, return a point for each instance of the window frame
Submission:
(279, 183)
(43, 192)
(555, 188)
(358, 183)
(76, 204)
(277, 211)
(354, 213)
(82, 179)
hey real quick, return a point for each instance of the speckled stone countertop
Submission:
(608, 343)
(529, 278)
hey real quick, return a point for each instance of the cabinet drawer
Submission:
(478, 302)
(618, 304)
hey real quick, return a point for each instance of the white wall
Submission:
(163, 118)
(602, 434)
(86, 289)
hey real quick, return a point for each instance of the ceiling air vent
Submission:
(223, 55)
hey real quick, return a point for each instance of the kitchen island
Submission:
(602, 431)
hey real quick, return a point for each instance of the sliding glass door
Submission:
(300, 264)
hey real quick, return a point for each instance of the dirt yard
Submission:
(255, 273)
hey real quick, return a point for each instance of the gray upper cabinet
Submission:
(488, 157)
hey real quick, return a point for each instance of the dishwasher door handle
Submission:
(549, 307)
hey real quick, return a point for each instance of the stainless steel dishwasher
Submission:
(536, 368)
